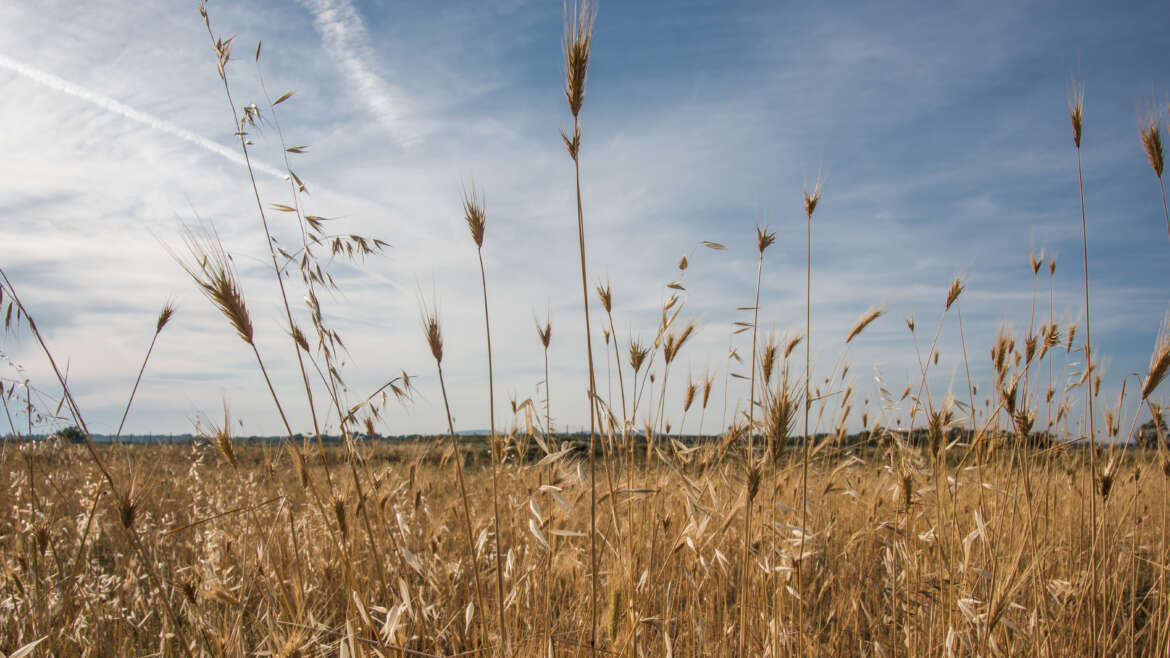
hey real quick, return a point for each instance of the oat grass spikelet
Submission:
(864, 321)
(210, 267)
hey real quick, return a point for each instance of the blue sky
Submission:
(940, 130)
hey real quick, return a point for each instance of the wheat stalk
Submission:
(475, 213)
(578, 41)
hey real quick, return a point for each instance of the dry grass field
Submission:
(978, 524)
(903, 556)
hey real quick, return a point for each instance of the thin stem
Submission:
(592, 419)
(807, 404)
(1092, 440)
(744, 569)
(495, 457)
(134, 390)
(1165, 209)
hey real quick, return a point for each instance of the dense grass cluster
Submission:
(1005, 520)
(893, 564)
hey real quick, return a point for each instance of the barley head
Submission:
(605, 292)
(578, 39)
(811, 199)
(863, 322)
(764, 238)
(473, 212)
(544, 333)
(955, 290)
(1152, 141)
(164, 316)
(1159, 361)
(1076, 112)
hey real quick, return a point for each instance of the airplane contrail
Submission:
(108, 104)
(345, 37)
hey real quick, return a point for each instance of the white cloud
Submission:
(345, 38)
(667, 161)
(59, 84)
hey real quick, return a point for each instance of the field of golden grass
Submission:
(979, 524)
(902, 556)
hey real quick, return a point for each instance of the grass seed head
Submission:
(210, 267)
(1076, 111)
(638, 354)
(164, 316)
(811, 199)
(1159, 361)
(768, 359)
(764, 239)
(708, 383)
(689, 398)
(430, 322)
(864, 321)
(299, 338)
(573, 144)
(674, 342)
(1152, 142)
(793, 341)
(956, 289)
(544, 333)
(578, 40)
(128, 508)
(605, 292)
(753, 483)
(473, 212)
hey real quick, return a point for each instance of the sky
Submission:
(940, 132)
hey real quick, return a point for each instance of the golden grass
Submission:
(248, 565)
(965, 531)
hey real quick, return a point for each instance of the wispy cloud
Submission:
(346, 39)
(59, 84)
